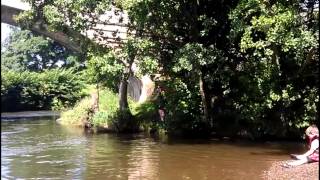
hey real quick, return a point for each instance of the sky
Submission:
(5, 30)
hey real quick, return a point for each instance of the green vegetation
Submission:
(109, 106)
(108, 115)
(246, 67)
(38, 74)
(50, 89)
(24, 50)
(237, 66)
(74, 116)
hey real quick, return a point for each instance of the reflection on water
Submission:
(42, 149)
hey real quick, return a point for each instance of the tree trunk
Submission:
(98, 97)
(203, 99)
(275, 58)
(123, 89)
(123, 92)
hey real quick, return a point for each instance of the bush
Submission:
(147, 112)
(51, 89)
(14, 93)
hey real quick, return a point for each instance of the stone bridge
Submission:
(111, 33)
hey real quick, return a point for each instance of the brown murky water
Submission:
(42, 149)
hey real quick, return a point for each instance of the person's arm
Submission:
(314, 146)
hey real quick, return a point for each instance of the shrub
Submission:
(51, 89)
(147, 115)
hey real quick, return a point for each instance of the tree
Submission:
(193, 58)
(25, 51)
(278, 39)
(103, 69)
(262, 45)
(186, 33)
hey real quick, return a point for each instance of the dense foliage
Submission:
(246, 67)
(51, 89)
(37, 73)
(234, 67)
(278, 41)
(23, 50)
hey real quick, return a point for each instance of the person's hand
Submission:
(294, 156)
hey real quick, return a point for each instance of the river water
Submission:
(43, 149)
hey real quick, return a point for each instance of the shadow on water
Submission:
(286, 146)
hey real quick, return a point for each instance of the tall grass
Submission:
(74, 115)
(108, 107)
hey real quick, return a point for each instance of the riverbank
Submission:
(302, 172)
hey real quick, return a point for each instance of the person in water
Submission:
(312, 155)
(161, 102)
